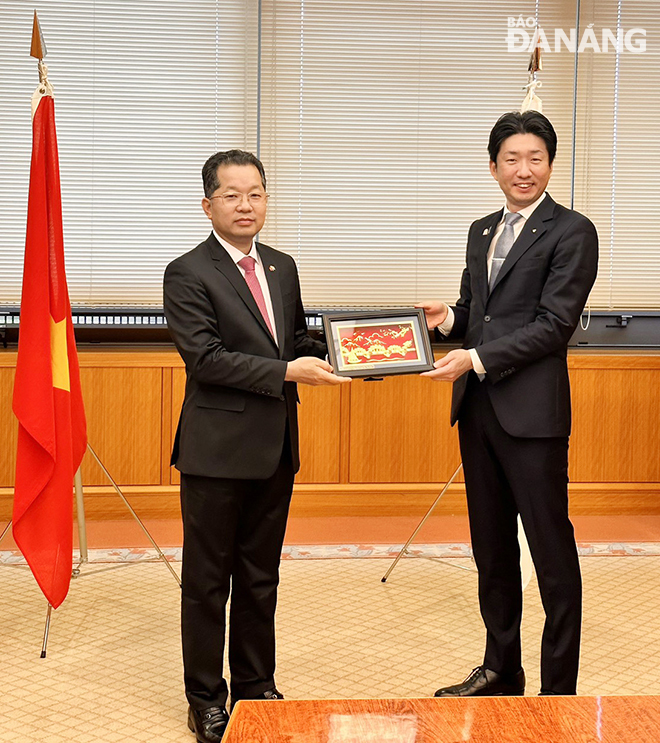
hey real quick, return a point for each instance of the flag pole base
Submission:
(6, 529)
(82, 524)
(133, 513)
(526, 564)
(46, 631)
(404, 549)
(82, 534)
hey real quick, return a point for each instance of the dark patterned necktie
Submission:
(503, 246)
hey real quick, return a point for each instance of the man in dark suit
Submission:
(234, 310)
(529, 270)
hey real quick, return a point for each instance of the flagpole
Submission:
(44, 644)
(47, 392)
(574, 123)
(82, 524)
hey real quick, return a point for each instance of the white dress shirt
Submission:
(236, 255)
(448, 323)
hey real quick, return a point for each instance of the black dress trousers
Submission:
(506, 476)
(233, 535)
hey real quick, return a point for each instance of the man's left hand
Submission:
(450, 367)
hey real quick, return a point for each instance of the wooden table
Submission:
(477, 720)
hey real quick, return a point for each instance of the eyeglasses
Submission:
(257, 198)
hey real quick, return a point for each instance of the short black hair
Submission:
(230, 157)
(529, 122)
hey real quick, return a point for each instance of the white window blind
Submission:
(374, 118)
(374, 128)
(144, 92)
(618, 154)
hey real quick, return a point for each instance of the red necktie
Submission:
(247, 264)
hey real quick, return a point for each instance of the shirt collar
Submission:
(235, 254)
(525, 213)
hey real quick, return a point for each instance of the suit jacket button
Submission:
(487, 318)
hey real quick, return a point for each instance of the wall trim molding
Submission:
(395, 499)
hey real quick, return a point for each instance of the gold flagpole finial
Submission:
(532, 101)
(38, 48)
(535, 63)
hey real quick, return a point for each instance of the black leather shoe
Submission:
(268, 694)
(208, 724)
(483, 682)
(271, 694)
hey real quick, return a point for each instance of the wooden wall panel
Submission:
(368, 439)
(8, 429)
(616, 425)
(319, 421)
(178, 391)
(400, 432)
(166, 426)
(123, 407)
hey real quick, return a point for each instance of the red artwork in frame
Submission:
(371, 343)
(378, 342)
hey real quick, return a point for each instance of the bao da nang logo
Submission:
(523, 35)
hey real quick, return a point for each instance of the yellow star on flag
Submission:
(58, 355)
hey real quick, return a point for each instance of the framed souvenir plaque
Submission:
(378, 343)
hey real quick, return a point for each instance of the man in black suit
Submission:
(234, 310)
(529, 270)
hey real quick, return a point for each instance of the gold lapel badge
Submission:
(486, 231)
(271, 268)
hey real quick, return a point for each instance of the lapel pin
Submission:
(534, 230)
(271, 268)
(486, 231)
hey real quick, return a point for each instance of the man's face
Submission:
(235, 208)
(522, 169)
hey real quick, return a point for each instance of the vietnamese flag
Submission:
(48, 403)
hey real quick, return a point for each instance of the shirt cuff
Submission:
(476, 362)
(448, 323)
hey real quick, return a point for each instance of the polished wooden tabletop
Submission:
(477, 720)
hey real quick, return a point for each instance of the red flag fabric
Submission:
(48, 403)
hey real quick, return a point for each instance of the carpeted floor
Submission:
(113, 670)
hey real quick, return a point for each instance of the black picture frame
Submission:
(356, 355)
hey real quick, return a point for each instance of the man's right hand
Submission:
(436, 312)
(310, 370)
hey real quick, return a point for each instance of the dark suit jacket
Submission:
(237, 403)
(522, 327)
